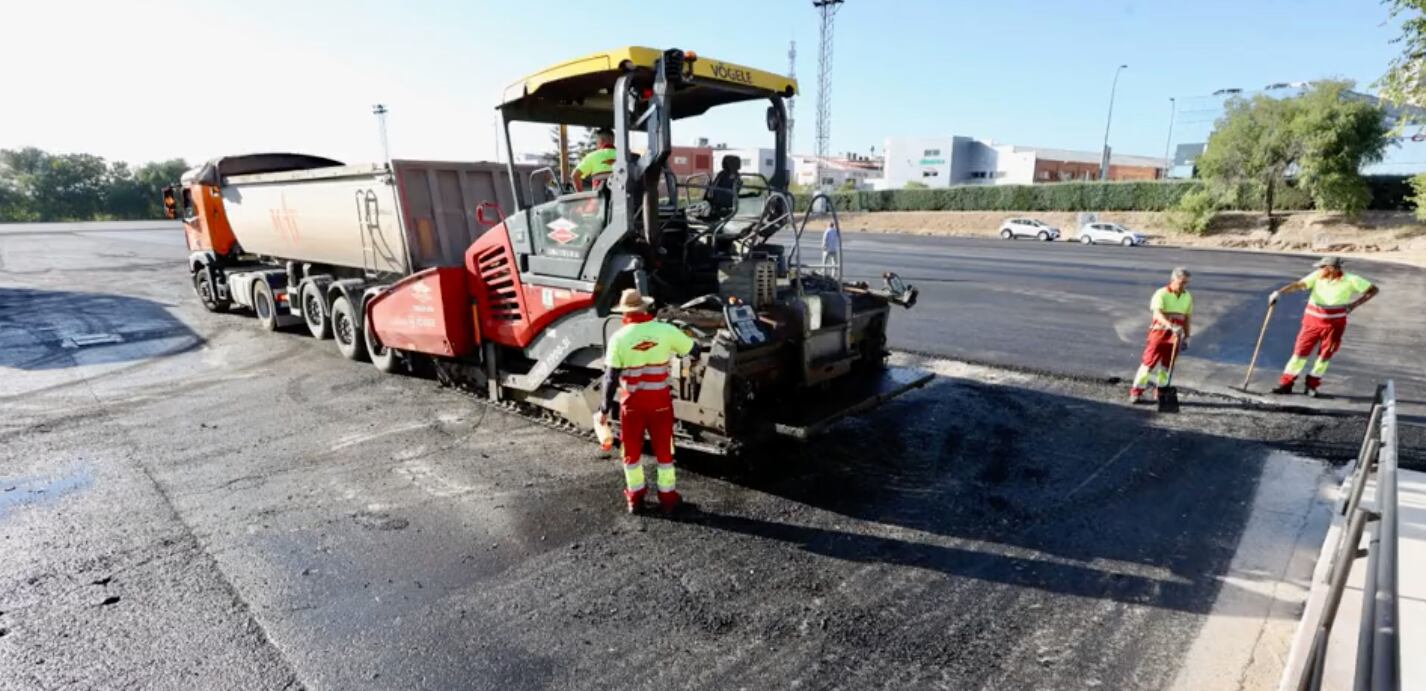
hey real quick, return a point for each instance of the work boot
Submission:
(1136, 396)
(1284, 384)
(634, 501)
(668, 502)
(1311, 385)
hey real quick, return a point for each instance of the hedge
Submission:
(1387, 193)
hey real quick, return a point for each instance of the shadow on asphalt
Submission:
(1036, 489)
(47, 330)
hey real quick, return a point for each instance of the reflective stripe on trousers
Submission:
(648, 378)
(634, 476)
(1160, 375)
(667, 478)
(1323, 335)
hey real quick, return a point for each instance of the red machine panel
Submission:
(513, 313)
(427, 312)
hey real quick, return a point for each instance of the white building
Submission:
(836, 172)
(947, 161)
(756, 160)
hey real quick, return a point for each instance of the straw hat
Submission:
(631, 301)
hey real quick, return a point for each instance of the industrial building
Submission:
(956, 160)
(858, 169)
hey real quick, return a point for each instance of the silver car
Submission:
(1028, 228)
(1110, 234)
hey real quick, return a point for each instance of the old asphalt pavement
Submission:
(188, 503)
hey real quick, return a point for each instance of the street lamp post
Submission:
(1104, 157)
(379, 111)
(1173, 110)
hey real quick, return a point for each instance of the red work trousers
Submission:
(1158, 348)
(1323, 334)
(647, 411)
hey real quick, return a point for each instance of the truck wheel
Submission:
(207, 294)
(314, 312)
(264, 306)
(350, 339)
(385, 359)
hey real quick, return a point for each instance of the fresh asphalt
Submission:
(1072, 309)
(186, 502)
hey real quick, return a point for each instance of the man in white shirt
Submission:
(831, 245)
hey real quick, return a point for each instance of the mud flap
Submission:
(848, 397)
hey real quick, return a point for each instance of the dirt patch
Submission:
(1386, 236)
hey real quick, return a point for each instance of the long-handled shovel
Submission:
(1168, 393)
(1254, 361)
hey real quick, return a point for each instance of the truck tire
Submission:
(350, 338)
(207, 292)
(264, 306)
(385, 359)
(314, 312)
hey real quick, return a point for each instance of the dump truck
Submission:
(410, 263)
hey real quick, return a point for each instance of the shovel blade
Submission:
(1168, 399)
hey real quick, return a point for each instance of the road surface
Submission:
(1067, 308)
(188, 502)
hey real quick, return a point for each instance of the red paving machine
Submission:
(417, 261)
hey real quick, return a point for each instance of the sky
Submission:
(141, 80)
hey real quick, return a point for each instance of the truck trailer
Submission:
(414, 261)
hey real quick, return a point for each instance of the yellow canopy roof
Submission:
(578, 92)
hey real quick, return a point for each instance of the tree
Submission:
(1322, 138)
(1404, 83)
(1251, 148)
(580, 144)
(1338, 135)
(38, 186)
(1405, 80)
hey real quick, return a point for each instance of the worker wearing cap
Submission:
(637, 369)
(1171, 312)
(1335, 293)
(600, 161)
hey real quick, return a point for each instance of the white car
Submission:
(1027, 228)
(1109, 233)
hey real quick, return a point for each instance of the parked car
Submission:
(1109, 233)
(1028, 228)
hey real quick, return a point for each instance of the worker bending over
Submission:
(1171, 311)
(637, 367)
(598, 164)
(1335, 293)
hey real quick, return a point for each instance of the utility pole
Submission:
(827, 9)
(379, 111)
(791, 102)
(1104, 157)
(564, 153)
(1173, 109)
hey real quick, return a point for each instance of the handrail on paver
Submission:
(1378, 665)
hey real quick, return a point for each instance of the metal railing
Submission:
(1378, 664)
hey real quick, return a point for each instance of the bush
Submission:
(1387, 194)
(1194, 213)
(1418, 195)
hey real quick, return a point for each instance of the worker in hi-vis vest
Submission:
(637, 371)
(1335, 293)
(1170, 320)
(597, 164)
